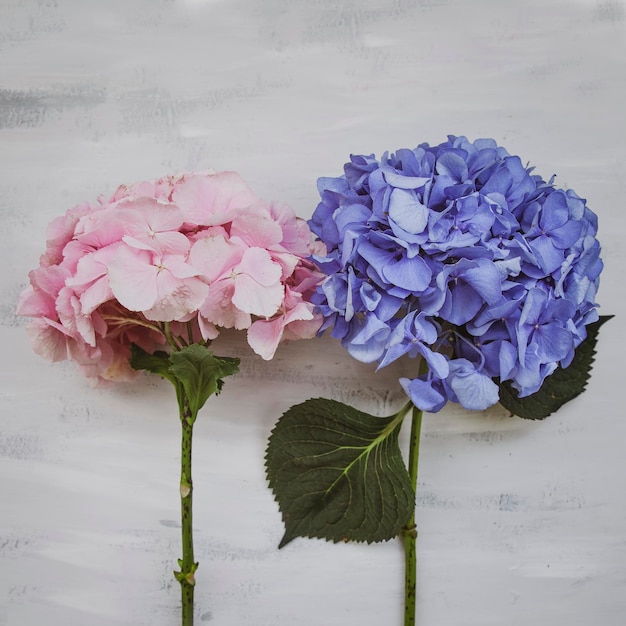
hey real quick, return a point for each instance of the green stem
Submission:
(410, 530)
(129, 321)
(171, 340)
(188, 567)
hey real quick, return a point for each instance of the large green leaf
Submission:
(156, 363)
(338, 474)
(563, 385)
(201, 373)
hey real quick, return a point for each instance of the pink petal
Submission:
(142, 189)
(219, 309)
(170, 242)
(257, 263)
(36, 304)
(99, 325)
(251, 297)
(207, 329)
(106, 226)
(303, 329)
(305, 278)
(73, 252)
(214, 256)
(161, 243)
(299, 323)
(287, 261)
(50, 280)
(117, 370)
(264, 336)
(176, 297)
(91, 267)
(212, 200)
(177, 265)
(156, 226)
(96, 294)
(133, 279)
(74, 320)
(47, 340)
(61, 230)
(297, 235)
(256, 228)
(133, 242)
(156, 216)
(68, 307)
(208, 231)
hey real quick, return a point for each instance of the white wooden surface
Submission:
(520, 523)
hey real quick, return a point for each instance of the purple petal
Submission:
(423, 395)
(553, 342)
(461, 304)
(550, 257)
(452, 165)
(554, 212)
(407, 211)
(567, 235)
(437, 363)
(411, 274)
(398, 180)
(485, 279)
(474, 390)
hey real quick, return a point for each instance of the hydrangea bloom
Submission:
(458, 254)
(198, 250)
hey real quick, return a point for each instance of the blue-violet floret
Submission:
(460, 255)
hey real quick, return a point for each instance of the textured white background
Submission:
(520, 523)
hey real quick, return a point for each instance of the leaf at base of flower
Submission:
(563, 385)
(338, 474)
(201, 373)
(194, 370)
(156, 363)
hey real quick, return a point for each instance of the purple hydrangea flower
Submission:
(457, 254)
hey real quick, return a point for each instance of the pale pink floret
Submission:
(38, 300)
(60, 232)
(256, 228)
(155, 227)
(297, 321)
(212, 200)
(243, 281)
(182, 257)
(296, 233)
(163, 287)
(48, 338)
(160, 189)
(258, 289)
(91, 278)
(265, 335)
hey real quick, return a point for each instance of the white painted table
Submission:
(520, 523)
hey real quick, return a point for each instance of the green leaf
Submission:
(563, 385)
(338, 474)
(157, 363)
(201, 373)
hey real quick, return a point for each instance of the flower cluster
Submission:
(183, 255)
(459, 254)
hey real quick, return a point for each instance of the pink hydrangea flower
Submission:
(186, 255)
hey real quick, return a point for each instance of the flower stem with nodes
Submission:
(196, 374)
(409, 532)
(188, 566)
(171, 340)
